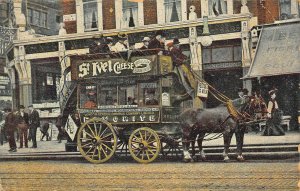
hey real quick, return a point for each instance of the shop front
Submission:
(277, 65)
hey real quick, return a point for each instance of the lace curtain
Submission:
(130, 17)
(90, 15)
(217, 7)
(172, 10)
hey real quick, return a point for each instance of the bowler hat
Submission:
(161, 33)
(176, 41)
(273, 91)
(21, 107)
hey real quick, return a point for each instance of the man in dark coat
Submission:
(34, 123)
(157, 41)
(183, 71)
(22, 125)
(10, 127)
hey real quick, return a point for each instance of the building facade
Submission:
(37, 63)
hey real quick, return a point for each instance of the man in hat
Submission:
(34, 123)
(10, 127)
(273, 126)
(121, 45)
(150, 97)
(95, 47)
(157, 41)
(183, 71)
(145, 41)
(22, 125)
(106, 47)
(90, 103)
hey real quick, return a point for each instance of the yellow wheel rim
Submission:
(97, 140)
(144, 145)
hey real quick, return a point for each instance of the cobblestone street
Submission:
(78, 175)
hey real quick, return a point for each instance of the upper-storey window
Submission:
(285, 9)
(90, 12)
(217, 7)
(130, 14)
(172, 10)
(37, 18)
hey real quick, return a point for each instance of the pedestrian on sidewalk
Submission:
(10, 127)
(34, 123)
(22, 125)
(273, 126)
(44, 130)
(58, 124)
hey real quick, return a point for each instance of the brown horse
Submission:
(198, 122)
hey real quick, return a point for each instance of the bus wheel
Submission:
(144, 145)
(97, 140)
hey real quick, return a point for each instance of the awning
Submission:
(278, 51)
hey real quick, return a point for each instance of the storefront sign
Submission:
(202, 90)
(113, 67)
(4, 86)
(122, 115)
(214, 66)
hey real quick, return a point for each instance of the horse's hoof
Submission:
(203, 159)
(186, 160)
(240, 159)
(194, 159)
(226, 159)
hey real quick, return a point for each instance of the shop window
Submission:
(149, 93)
(90, 11)
(217, 7)
(3, 11)
(45, 83)
(37, 18)
(285, 9)
(172, 10)
(222, 54)
(88, 96)
(130, 14)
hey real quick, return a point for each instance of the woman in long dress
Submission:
(273, 126)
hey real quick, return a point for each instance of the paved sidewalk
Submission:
(251, 138)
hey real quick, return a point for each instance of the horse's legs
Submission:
(200, 140)
(239, 135)
(227, 139)
(186, 143)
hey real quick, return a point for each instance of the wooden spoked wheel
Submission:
(144, 145)
(97, 140)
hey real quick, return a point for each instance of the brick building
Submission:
(38, 62)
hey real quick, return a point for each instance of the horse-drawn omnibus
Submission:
(121, 101)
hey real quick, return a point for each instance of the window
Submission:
(45, 82)
(217, 7)
(3, 10)
(88, 96)
(37, 18)
(285, 9)
(172, 10)
(149, 93)
(90, 15)
(222, 54)
(130, 14)
(118, 95)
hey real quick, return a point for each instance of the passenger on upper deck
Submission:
(183, 70)
(146, 43)
(95, 47)
(106, 47)
(157, 41)
(121, 45)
